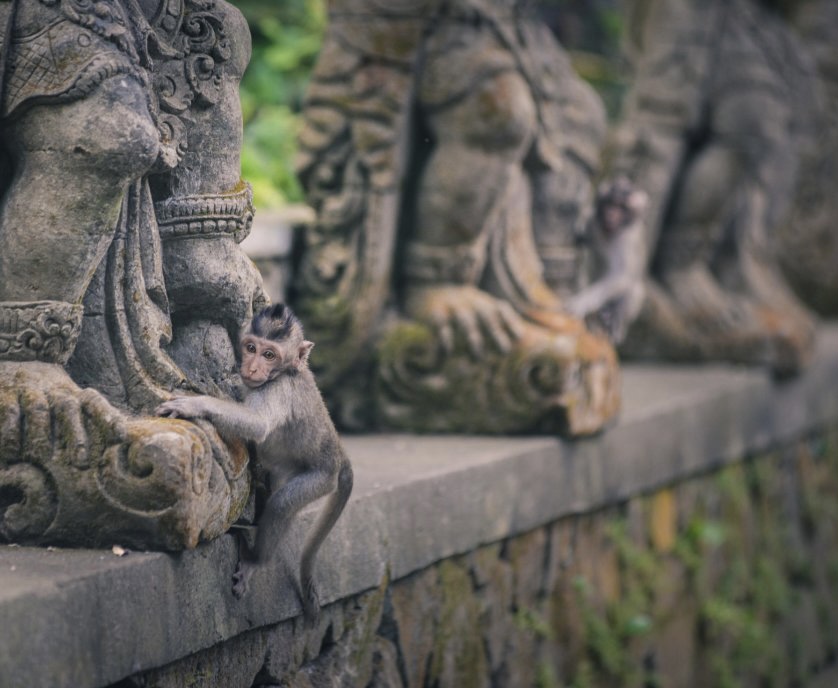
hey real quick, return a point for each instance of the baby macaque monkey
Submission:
(296, 441)
(618, 240)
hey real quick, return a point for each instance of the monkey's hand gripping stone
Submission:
(74, 470)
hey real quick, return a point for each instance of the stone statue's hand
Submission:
(699, 295)
(468, 313)
(181, 407)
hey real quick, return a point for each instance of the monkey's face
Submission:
(262, 360)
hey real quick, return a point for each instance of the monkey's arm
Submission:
(625, 271)
(231, 419)
(596, 295)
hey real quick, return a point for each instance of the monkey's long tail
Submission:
(328, 517)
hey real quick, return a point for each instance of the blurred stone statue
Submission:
(808, 240)
(447, 148)
(713, 131)
(121, 279)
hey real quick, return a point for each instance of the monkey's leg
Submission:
(280, 509)
(326, 521)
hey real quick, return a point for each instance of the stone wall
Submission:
(727, 579)
(692, 544)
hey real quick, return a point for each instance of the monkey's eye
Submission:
(270, 355)
(250, 348)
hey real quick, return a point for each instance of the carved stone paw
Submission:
(712, 325)
(75, 470)
(462, 313)
(549, 381)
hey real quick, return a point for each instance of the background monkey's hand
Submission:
(182, 407)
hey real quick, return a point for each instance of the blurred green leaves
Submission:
(287, 37)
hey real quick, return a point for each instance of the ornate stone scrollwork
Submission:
(44, 331)
(544, 384)
(75, 470)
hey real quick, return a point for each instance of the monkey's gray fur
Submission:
(296, 442)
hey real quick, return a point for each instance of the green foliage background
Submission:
(287, 35)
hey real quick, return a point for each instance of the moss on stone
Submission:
(458, 657)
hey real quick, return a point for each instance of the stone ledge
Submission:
(89, 618)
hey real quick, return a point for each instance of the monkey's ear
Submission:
(303, 353)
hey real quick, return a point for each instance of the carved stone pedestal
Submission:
(548, 382)
(74, 470)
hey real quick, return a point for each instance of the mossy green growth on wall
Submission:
(748, 573)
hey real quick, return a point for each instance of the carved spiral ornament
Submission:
(28, 502)
(45, 331)
(422, 386)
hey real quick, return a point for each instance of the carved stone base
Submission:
(749, 333)
(76, 471)
(566, 383)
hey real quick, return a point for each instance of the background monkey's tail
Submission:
(328, 517)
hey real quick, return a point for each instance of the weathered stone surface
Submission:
(87, 618)
(107, 478)
(807, 247)
(715, 120)
(119, 263)
(415, 611)
(425, 291)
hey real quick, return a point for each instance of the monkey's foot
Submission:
(555, 377)
(241, 578)
(78, 471)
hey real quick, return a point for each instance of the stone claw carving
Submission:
(547, 381)
(75, 470)
(466, 315)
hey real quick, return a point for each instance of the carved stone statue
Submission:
(121, 279)
(712, 130)
(808, 241)
(444, 145)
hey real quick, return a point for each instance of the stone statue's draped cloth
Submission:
(71, 48)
